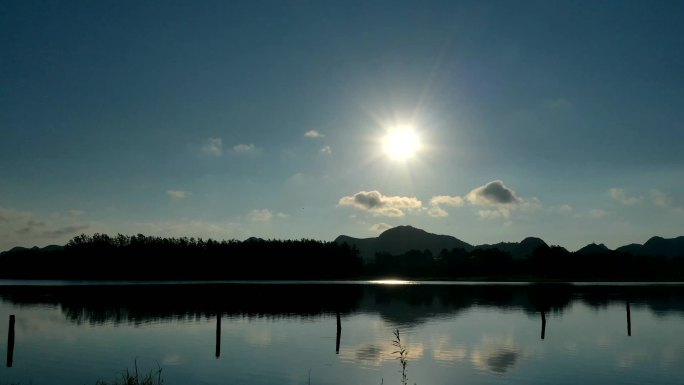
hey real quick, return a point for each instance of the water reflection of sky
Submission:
(475, 345)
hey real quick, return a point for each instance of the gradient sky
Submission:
(232, 119)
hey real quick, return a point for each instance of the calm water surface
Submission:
(288, 334)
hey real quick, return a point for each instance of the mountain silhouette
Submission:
(401, 239)
(517, 250)
(673, 247)
(593, 249)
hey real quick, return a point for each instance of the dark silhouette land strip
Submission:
(401, 252)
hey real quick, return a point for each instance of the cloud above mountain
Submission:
(492, 194)
(377, 203)
(620, 196)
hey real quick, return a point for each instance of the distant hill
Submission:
(401, 239)
(517, 250)
(673, 247)
(593, 248)
(19, 249)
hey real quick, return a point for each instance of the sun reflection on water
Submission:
(391, 281)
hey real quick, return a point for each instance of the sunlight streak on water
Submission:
(393, 282)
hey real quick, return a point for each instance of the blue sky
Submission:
(561, 120)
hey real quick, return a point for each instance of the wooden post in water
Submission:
(218, 335)
(629, 321)
(10, 342)
(543, 333)
(339, 334)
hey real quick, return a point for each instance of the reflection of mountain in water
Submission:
(399, 305)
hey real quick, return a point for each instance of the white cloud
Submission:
(500, 212)
(213, 147)
(244, 148)
(493, 193)
(437, 212)
(260, 215)
(660, 199)
(326, 150)
(380, 227)
(376, 203)
(565, 208)
(598, 213)
(313, 134)
(177, 195)
(454, 201)
(530, 204)
(620, 196)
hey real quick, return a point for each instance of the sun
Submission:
(401, 143)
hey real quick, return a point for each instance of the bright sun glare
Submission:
(401, 143)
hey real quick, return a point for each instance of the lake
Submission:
(343, 333)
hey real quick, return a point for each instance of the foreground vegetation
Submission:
(128, 378)
(124, 257)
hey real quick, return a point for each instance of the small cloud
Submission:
(313, 134)
(437, 212)
(177, 195)
(500, 212)
(213, 147)
(493, 193)
(455, 201)
(244, 148)
(565, 208)
(530, 204)
(262, 215)
(380, 227)
(659, 199)
(282, 215)
(326, 150)
(598, 213)
(375, 202)
(620, 196)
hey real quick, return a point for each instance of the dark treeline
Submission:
(126, 257)
(143, 257)
(545, 263)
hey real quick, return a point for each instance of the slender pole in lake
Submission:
(543, 333)
(339, 334)
(218, 335)
(629, 321)
(10, 342)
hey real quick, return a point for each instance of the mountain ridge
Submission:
(401, 239)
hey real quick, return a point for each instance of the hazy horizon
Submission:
(489, 122)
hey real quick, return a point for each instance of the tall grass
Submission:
(128, 378)
(402, 355)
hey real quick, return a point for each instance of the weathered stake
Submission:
(339, 333)
(10, 342)
(629, 321)
(218, 335)
(543, 332)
